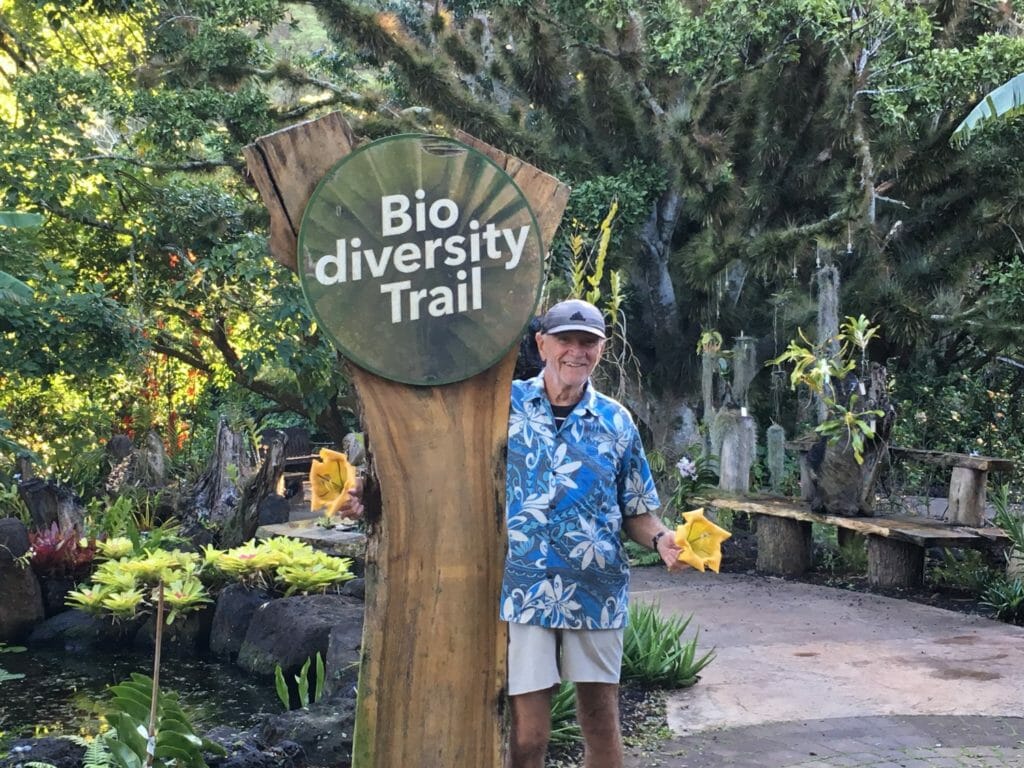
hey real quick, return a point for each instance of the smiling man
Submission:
(577, 477)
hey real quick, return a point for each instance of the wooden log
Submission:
(967, 496)
(286, 166)
(894, 563)
(433, 648)
(433, 666)
(784, 546)
(244, 519)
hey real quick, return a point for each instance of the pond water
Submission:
(66, 693)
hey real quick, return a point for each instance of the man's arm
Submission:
(649, 531)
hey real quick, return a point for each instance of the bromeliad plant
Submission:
(56, 553)
(824, 368)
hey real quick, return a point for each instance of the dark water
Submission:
(66, 693)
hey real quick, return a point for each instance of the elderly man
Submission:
(577, 475)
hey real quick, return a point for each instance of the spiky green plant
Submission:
(564, 728)
(654, 653)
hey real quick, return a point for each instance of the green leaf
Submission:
(282, 687)
(1004, 102)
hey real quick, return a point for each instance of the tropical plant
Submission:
(825, 368)
(1005, 596)
(150, 728)
(301, 683)
(654, 652)
(565, 730)
(695, 474)
(1005, 102)
(60, 554)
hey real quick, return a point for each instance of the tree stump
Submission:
(243, 520)
(784, 546)
(893, 563)
(216, 493)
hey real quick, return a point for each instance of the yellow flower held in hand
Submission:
(700, 541)
(331, 478)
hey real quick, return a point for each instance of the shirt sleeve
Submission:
(636, 490)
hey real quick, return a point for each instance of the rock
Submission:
(324, 731)
(21, 606)
(354, 588)
(341, 663)
(273, 509)
(247, 750)
(77, 631)
(188, 636)
(288, 631)
(235, 608)
(51, 750)
(54, 592)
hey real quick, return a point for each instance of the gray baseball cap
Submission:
(574, 315)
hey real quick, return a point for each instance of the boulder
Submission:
(273, 509)
(289, 631)
(248, 750)
(324, 731)
(235, 608)
(344, 650)
(78, 631)
(188, 636)
(21, 606)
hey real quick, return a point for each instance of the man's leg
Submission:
(531, 728)
(597, 709)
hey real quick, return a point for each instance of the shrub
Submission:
(654, 653)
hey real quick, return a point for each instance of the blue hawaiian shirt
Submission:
(567, 492)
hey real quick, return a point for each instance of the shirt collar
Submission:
(588, 401)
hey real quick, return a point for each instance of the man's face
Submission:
(570, 357)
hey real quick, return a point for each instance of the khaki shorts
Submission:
(540, 658)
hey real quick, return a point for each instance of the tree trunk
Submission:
(49, 503)
(651, 280)
(243, 520)
(217, 491)
(784, 546)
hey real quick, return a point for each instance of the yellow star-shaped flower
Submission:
(700, 541)
(331, 479)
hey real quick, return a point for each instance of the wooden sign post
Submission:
(431, 329)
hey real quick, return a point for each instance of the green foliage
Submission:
(822, 368)
(966, 570)
(961, 411)
(175, 742)
(301, 683)
(1005, 102)
(654, 652)
(12, 505)
(1005, 596)
(564, 728)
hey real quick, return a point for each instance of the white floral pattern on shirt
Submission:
(567, 492)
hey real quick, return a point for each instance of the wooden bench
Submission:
(896, 544)
(967, 481)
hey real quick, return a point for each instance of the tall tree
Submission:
(746, 142)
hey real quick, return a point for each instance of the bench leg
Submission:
(967, 496)
(894, 563)
(783, 545)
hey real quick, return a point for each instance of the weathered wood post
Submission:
(435, 410)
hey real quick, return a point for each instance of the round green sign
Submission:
(421, 259)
